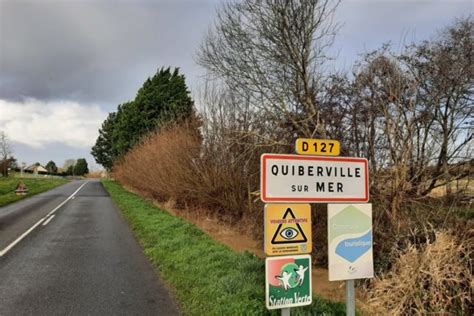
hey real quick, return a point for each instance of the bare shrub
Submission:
(162, 166)
(436, 278)
(272, 53)
(178, 164)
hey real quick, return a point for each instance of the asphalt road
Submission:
(82, 261)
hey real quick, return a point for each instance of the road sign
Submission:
(288, 281)
(350, 241)
(320, 147)
(287, 229)
(294, 178)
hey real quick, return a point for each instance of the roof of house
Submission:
(41, 169)
(36, 168)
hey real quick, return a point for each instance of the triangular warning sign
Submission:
(290, 232)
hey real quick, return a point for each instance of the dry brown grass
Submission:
(94, 175)
(162, 166)
(463, 186)
(436, 278)
(175, 165)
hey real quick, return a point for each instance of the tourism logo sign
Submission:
(350, 241)
(288, 281)
(287, 229)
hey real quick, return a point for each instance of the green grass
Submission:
(34, 186)
(208, 278)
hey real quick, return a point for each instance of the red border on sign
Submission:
(263, 185)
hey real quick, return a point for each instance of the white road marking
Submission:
(16, 241)
(65, 201)
(48, 220)
(10, 246)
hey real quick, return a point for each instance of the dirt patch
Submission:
(232, 237)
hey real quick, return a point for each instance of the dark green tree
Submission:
(13, 163)
(162, 99)
(103, 150)
(125, 129)
(81, 167)
(51, 167)
(69, 170)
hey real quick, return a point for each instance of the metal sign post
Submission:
(285, 312)
(350, 298)
(350, 254)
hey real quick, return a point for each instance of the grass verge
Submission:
(35, 186)
(207, 277)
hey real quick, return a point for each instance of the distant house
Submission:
(36, 169)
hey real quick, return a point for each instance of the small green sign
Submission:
(288, 281)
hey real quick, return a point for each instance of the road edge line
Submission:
(16, 241)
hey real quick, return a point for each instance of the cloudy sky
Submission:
(64, 64)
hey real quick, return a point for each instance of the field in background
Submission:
(26, 175)
(34, 185)
(208, 277)
(466, 186)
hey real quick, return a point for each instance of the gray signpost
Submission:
(350, 298)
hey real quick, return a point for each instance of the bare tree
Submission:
(270, 52)
(5, 151)
(411, 114)
(444, 69)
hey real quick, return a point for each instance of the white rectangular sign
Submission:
(308, 179)
(350, 241)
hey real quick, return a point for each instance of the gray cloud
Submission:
(95, 51)
(99, 52)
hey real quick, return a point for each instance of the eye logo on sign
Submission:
(287, 229)
(289, 234)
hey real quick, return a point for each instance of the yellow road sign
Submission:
(287, 229)
(320, 147)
